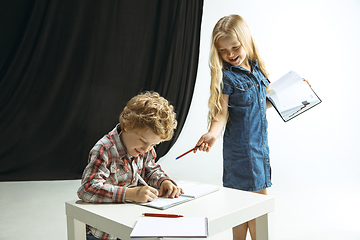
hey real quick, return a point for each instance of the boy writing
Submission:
(126, 154)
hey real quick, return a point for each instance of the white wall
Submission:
(314, 157)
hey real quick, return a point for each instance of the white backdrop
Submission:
(314, 157)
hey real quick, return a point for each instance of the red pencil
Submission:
(187, 152)
(162, 215)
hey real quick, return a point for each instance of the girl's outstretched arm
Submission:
(207, 140)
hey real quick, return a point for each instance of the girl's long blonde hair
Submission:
(232, 25)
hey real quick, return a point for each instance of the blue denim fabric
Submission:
(245, 147)
(89, 236)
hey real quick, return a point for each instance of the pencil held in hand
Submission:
(187, 152)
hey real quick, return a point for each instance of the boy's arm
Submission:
(154, 175)
(93, 186)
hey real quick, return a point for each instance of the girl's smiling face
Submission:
(137, 141)
(233, 52)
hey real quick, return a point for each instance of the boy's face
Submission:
(232, 51)
(138, 141)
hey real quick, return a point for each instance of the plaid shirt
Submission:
(111, 171)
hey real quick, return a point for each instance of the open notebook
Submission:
(291, 95)
(191, 190)
(183, 227)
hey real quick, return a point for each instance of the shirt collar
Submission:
(114, 134)
(253, 63)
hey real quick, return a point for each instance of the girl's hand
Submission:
(206, 142)
(141, 194)
(170, 189)
(307, 81)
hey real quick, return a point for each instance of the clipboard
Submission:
(292, 95)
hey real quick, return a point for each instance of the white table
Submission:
(225, 209)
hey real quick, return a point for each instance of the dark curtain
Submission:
(67, 69)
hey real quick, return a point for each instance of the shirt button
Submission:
(264, 131)
(267, 159)
(263, 116)
(261, 100)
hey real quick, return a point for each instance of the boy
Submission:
(124, 156)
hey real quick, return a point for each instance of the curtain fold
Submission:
(69, 67)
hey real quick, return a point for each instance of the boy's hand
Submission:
(141, 194)
(170, 189)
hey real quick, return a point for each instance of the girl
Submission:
(238, 100)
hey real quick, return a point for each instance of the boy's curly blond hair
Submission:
(149, 110)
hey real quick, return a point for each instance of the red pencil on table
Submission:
(187, 152)
(162, 215)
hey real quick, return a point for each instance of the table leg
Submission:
(262, 227)
(76, 230)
